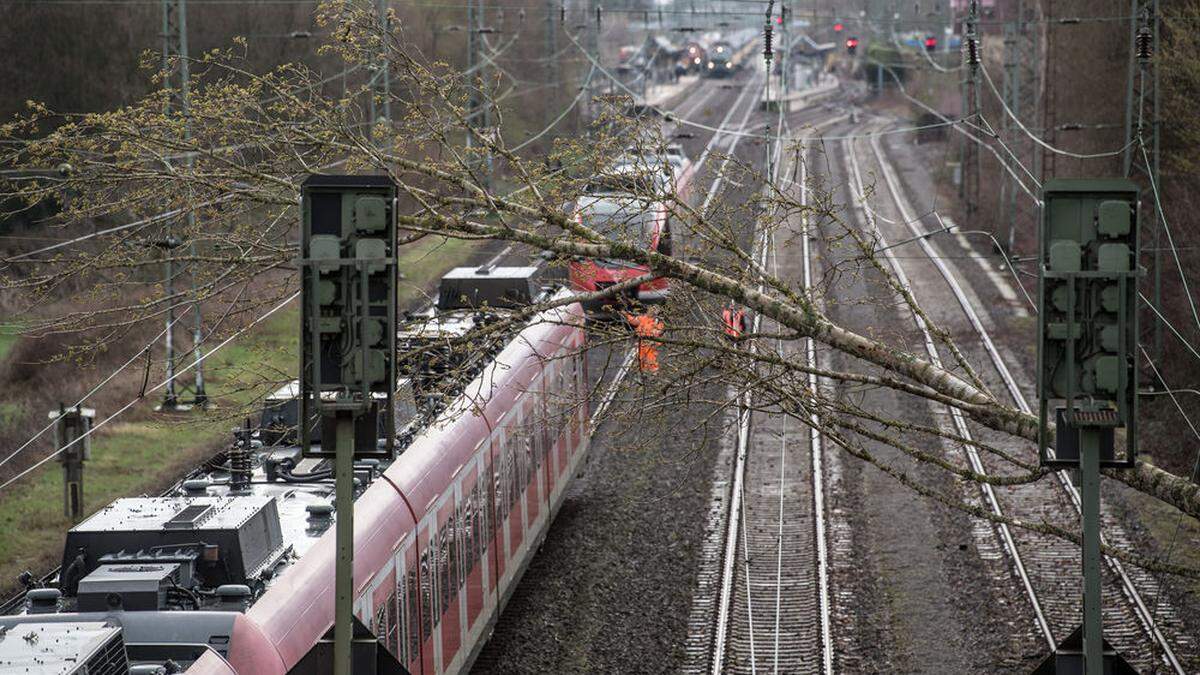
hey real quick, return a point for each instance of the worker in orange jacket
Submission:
(646, 327)
(734, 319)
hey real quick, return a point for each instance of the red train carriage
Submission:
(441, 542)
(214, 577)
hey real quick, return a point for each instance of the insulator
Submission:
(1145, 44)
(240, 469)
(598, 10)
(562, 13)
(972, 44)
(767, 50)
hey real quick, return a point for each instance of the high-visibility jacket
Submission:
(735, 321)
(646, 328)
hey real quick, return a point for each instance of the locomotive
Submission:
(232, 570)
(721, 60)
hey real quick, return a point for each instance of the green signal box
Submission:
(1087, 348)
(348, 289)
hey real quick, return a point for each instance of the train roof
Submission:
(238, 539)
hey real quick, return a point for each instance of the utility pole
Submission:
(1142, 126)
(785, 48)
(72, 440)
(1011, 84)
(550, 49)
(477, 104)
(969, 187)
(593, 48)
(178, 83)
(1020, 95)
(381, 80)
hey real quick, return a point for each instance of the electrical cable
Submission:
(1067, 153)
(1162, 214)
(578, 97)
(151, 390)
(957, 127)
(103, 382)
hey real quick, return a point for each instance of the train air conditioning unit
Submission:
(129, 553)
(68, 648)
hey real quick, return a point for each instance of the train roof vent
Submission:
(188, 517)
(85, 647)
(473, 287)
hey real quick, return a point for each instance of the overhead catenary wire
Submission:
(136, 356)
(574, 102)
(160, 385)
(957, 126)
(1035, 138)
(1066, 20)
(1162, 214)
(173, 213)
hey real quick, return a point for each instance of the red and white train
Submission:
(442, 534)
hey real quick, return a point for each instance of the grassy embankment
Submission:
(147, 453)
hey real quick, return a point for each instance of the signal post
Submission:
(1087, 371)
(348, 349)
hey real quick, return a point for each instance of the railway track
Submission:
(1046, 568)
(763, 600)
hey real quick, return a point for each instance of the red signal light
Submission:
(837, 27)
(779, 20)
(930, 44)
(851, 43)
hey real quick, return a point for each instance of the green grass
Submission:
(145, 455)
(8, 337)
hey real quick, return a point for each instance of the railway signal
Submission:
(851, 46)
(73, 441)
(1087, 369)
(348, 346)
(931, 44)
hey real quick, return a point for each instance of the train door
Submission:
(474, 562)
(535, 490)
(431, 638)
(553, 460)
(408, 597)
(518, 480)
(555, 407)
(377, 610)
(501, 472)
(489, 524)
(448, 578)
(577, 383)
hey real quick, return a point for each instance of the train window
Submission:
(532, 458)
(414, 638)
(501, 488)
(403, 622)
(518, 450)
(379, 622)
(466, 553)
(453, 563)
(426, 595)
(485, 519)
(443, 573)
(470, 531)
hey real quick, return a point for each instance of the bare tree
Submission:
(254, 136)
